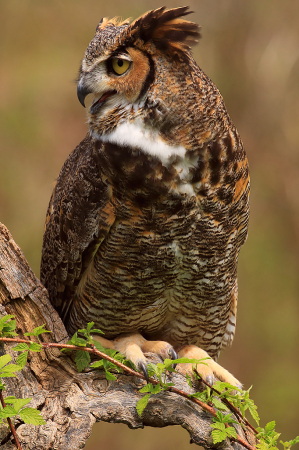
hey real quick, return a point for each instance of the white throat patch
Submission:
(135, 135)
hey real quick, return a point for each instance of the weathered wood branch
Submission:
(69, 401)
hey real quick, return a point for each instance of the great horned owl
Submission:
(149, 212)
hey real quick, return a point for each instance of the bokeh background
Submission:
(250, 49)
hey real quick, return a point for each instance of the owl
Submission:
(149, 212)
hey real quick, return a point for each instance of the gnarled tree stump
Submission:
(71, 402)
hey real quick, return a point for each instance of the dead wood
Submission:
(69, 401)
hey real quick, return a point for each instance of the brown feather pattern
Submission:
(136, 241)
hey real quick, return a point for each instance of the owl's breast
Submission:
(153, 266)
(170, 255)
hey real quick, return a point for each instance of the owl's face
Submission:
(139, 71)
(119, 80)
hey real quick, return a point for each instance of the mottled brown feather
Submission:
(142, 242)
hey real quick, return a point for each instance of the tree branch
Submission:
(71, 402)
(11, 426)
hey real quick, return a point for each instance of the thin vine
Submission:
(217, 400)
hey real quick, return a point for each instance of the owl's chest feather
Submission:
(140, 158)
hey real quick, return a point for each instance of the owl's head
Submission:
(137, 69)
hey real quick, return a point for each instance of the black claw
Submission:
(173, 355)
(210, 379)
(142, 366)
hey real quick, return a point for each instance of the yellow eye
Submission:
(120, 66)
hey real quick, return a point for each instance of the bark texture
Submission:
(69, 401)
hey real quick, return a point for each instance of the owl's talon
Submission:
(210, 379)
(210, 371)
(143, 368)
(173, 355)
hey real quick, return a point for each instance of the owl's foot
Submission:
(210, 371)
(134, 346)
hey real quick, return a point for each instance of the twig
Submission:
(11, 425)
(228, 403)
(132, 372)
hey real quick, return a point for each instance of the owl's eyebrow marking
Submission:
(120, 51)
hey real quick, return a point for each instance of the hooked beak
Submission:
(83, 89)
(82, 92)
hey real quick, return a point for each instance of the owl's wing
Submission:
(78, 219)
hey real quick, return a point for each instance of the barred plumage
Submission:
(149, 212)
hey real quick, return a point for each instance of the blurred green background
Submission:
(250, 49)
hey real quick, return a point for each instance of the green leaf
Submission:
(20, 403)
(222, 386)
(129, 364)
(4, 360)
(262, 446)
(289, 444)
(8, 334)
(10, 399)
(227, 418)
(161, 367)
(150, 388)
(189, 361)
(218, 425)
(219, 404)
(10, 368)
(96, 330)
(270, 426)
(99, 346)
(8, 411)
(220, 417)
(80, 342)
(218, 436)
(189, 380)
(34, 347)
(89, 326)
(31, 416)
(37, 331)
(5, 319)
(167, 362)
(97, 364)
(82, 360)
(83, 331)
(20, 347)
(253, 411)
(152, 369)
(75, 340)
(230, 420)
(22, 359)
(147, 388)
(141, 404)
(110, 376)
(202, 396)
(108, 365)
(294, 441)
(7, 374)
(7, 326)
(231, 432)
(158, 388)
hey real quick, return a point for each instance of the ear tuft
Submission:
(166, 29)
(115, 21)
